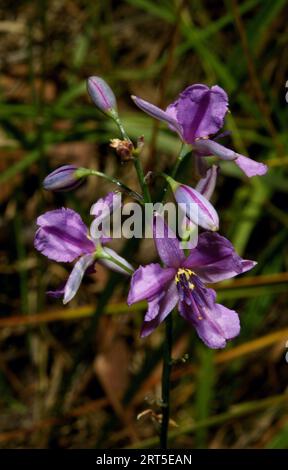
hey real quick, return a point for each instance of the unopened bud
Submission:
(62, 179)
(102, 95)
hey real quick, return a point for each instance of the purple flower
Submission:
(62, 236)
(62, 179)
(198, 113)
(182, 282)
(102, 95)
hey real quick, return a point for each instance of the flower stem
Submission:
(137, 162)
(124, 134)
(84, 172)
(167, 364)
(182, 154)
(141, 179)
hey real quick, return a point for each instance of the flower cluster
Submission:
(180, 278)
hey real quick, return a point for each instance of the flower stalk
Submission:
(166, 372)
(84, 172)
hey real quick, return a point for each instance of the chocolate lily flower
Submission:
(182, 282)
(62, 236)
(198, 113)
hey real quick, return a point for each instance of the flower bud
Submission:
(102, 95)
(196, 207)
(62, 179)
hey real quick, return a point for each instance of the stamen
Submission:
(187, 273)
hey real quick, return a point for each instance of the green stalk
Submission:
(117, 120)
(167, 365)
(84, 172)
(182, 153)
(141, 179)
(137, 161)
(167, 348)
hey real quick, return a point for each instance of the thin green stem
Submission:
(182, 154)
(167, 365)
(137, 161)
(167, 347)
(177, 164)
(84, 172)
(141, 179)
(120, 127)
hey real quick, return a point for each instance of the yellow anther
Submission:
(187, 273)
(191, 285)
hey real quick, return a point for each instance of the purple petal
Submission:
(106, 205)
(171, 110)
(158, 113)
(250, 167)
(214, 259)
(113, 266)
(76, 275)
(214, 325)
(247, 264)
(62, 235)
(147, 281)
(167, 244)
(247, 165)
(197, 208)
(207, 147)
(153, 307)
(102, 211)
(201, 111)
(207, 185)
(158, 309)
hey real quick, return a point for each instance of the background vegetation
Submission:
(78, 376)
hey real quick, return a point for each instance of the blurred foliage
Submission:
(78, 376)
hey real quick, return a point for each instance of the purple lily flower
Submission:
(182, 282)
(62, 236)
(198, 113)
